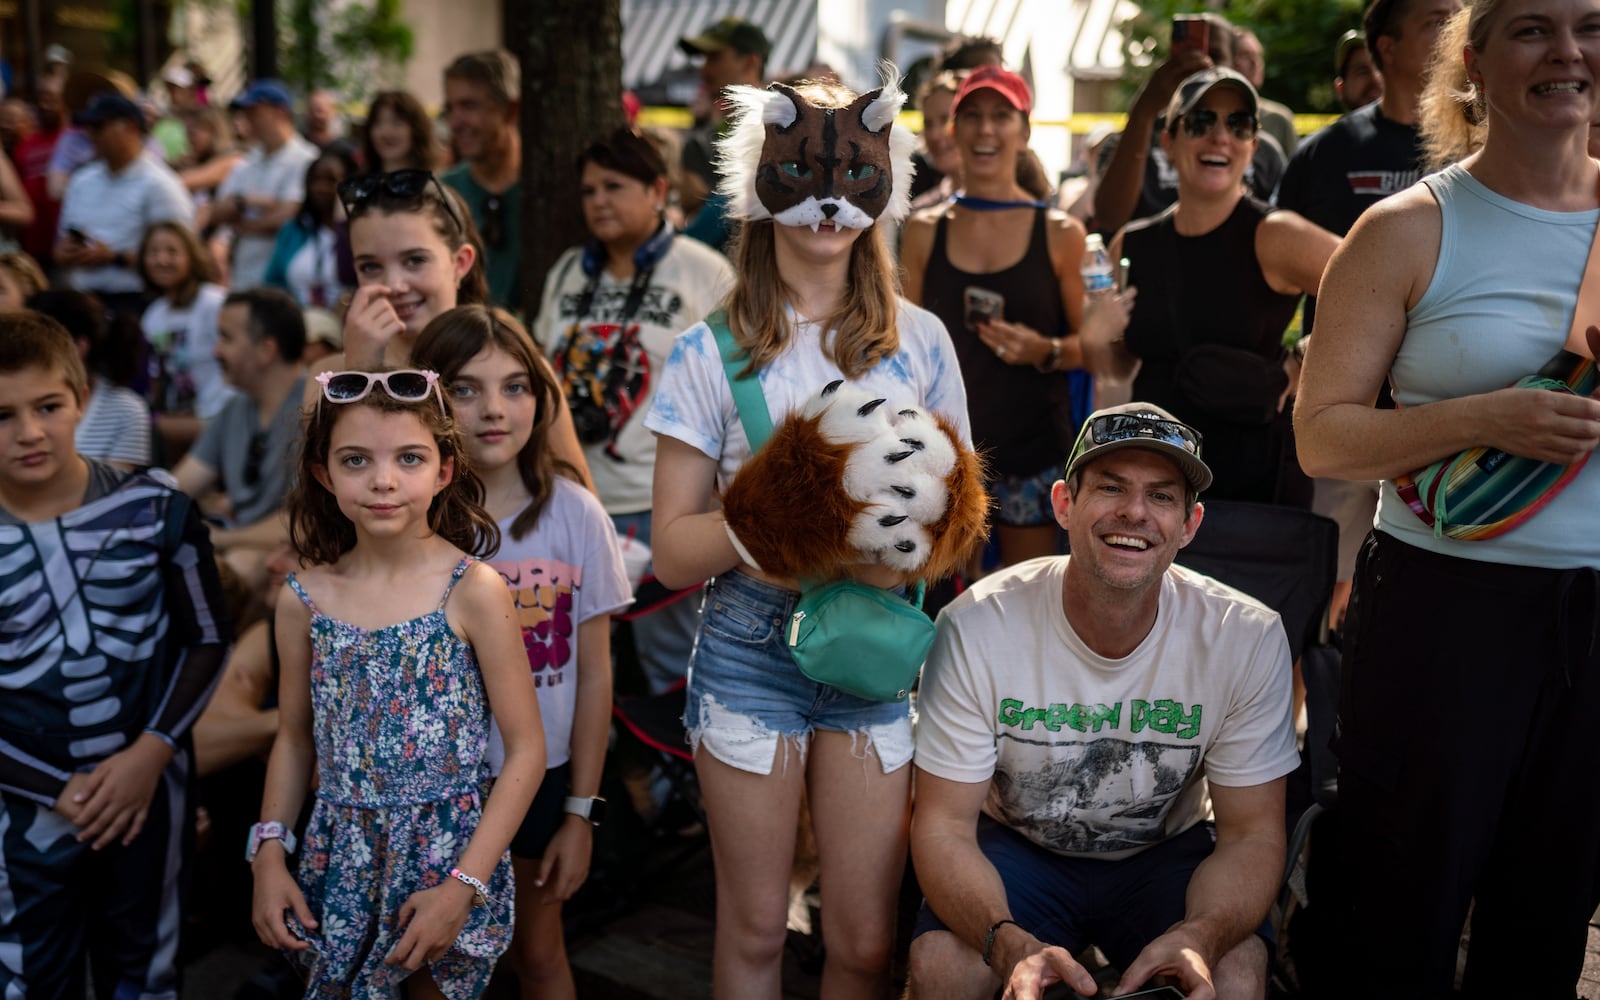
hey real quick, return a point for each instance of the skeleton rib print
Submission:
(82, 626)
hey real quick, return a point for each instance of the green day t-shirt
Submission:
(1094, 757)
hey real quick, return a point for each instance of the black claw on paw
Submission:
(897, 456)
(890, 520)
(867, 408)
(915, 444)
(905, 491)
(906, 546)
(831, 387)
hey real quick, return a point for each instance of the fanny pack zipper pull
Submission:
(794, 627)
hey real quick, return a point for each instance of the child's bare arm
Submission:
(566, 861)
(288, 776)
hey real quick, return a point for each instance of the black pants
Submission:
(1469, 751)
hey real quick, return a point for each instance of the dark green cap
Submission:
(729, 33)
(1349, 42)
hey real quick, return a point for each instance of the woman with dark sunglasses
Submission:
(416, 256)
(1219, 275)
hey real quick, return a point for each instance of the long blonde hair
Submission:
(862, 330)
(1453, 117)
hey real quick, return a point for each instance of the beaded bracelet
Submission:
(480, 892)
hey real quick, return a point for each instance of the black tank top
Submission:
(1020, 416)
(1213, 285)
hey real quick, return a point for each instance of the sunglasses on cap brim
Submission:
(1113, 427)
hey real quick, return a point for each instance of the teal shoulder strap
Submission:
(747, 395)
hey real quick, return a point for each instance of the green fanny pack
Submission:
(861, 639)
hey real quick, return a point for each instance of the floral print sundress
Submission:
(401, 724)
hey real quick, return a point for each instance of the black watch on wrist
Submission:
(592, 808)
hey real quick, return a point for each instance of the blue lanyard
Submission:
(990, 205)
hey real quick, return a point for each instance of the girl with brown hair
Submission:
(395, 645)
(560, 558)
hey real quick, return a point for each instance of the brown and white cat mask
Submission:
(799, 164)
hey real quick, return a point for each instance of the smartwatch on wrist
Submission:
(592, 808)
(269, 831)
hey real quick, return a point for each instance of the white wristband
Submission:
(738, 547)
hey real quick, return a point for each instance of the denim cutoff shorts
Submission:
(747, 698)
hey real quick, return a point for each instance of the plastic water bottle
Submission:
(1098, 275)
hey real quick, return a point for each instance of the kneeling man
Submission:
(1079, 716)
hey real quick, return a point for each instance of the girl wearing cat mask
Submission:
(810, 170)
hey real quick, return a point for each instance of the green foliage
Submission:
(354, 48)
(1298, 35)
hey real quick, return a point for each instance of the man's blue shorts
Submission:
(1120, 906)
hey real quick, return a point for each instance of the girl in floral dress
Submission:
(395, 646)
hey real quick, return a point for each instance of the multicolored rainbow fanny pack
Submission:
(1485, 492)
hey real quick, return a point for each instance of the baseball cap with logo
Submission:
(1141, 425)
(729, 33)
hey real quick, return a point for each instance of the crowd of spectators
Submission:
(207, 260)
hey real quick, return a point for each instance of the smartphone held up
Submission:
(1190, 32)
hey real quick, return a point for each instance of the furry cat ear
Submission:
(884, 110)
(880, 109)
(750, 111)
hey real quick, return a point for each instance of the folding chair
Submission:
(1285, 558)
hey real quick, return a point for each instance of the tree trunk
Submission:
(571, 54)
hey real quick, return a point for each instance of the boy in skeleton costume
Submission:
(850, 373)
(111, 638)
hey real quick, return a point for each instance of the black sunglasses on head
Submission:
(407, 184)
(1201, 121)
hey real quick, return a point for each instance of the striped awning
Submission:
(1094, 26)
(651, 29)
(1089, 29)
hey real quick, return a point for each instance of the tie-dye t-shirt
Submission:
(694, 402)
(564, 572)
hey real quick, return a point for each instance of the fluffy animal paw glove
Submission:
(852, 480)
